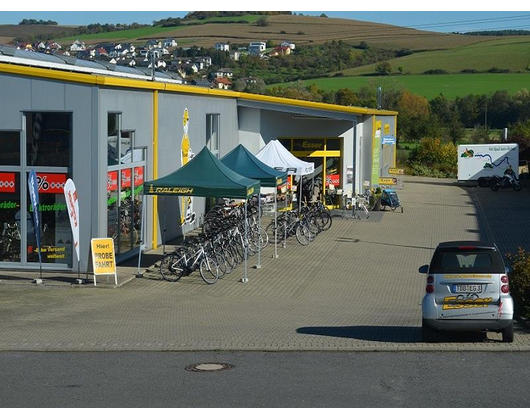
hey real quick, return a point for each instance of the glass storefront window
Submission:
(10, 217)
(10, 147)
(126, 212)
(48, 139)
(113, 124)
(137, 204)
(112, 207)
(56, 234)
(126, 146)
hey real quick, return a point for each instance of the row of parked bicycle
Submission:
(222, 245)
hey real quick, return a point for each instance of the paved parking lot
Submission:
(357, 287)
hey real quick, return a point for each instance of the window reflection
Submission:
(48, 138)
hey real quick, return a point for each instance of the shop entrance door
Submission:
(326, 154)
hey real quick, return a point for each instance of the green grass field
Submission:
(125, 35)
(506, 53)
(157, 31)
(451, 85)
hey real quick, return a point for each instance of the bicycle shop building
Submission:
(109, 128)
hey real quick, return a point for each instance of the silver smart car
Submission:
(467, 290)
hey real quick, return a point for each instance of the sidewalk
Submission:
(125, 273)
(356, 288)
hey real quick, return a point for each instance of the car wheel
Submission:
(428, 335)
(507, 334)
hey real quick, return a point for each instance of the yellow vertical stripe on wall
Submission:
(155, 167)
(395, 146)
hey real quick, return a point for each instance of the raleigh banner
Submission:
(70, 194)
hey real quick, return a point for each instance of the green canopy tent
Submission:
(203, 176)
(241, 160)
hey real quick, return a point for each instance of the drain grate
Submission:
(208, 367)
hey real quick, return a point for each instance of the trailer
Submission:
(479, 162)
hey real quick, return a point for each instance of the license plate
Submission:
(467, 288)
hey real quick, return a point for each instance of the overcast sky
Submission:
(457, 21)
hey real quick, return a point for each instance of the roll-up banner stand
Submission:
(72, 204)
(33, 188)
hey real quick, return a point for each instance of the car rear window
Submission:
(481, 261)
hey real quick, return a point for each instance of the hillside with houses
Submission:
(197, 66)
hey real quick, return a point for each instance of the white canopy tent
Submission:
(275, 155)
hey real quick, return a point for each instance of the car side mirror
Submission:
(424, 269)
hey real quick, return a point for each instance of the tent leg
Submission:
(245, 278)
(141, 236)
(276, 222)
(258, 265)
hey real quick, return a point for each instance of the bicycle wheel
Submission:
(270, 233)
(302, 234)
(264, 238)
(229, 259)
(221, 263)
(171, 267)
(209, 270)
(326, 219)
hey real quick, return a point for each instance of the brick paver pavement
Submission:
(357, 287)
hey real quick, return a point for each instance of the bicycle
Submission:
(183, 262)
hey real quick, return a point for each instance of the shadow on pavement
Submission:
(355, 240)
(394, 334)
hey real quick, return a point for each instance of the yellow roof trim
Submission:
(109, 81)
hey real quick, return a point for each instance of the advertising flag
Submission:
(33, 188)
(72, 204)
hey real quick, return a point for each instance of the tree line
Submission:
(37, 22)
(438, 118)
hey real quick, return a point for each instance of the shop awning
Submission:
(245, 163)
(204, 176)
(275, 155)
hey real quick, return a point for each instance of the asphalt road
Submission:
(264, 379)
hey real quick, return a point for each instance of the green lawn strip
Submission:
(451, 85)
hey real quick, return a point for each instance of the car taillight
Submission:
(430, 279)
(429, 288)
(505, 288)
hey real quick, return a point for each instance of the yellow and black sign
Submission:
(103, 261)
(396, 171)
(387, 181)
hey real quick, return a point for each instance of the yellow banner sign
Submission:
(103, 260)
(387, 181)
(396, 171)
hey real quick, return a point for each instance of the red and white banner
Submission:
(126, 178)
(333, 180)
(51, 183)
(72, 204)
(7, 182)
(112, 181)
(138, 175)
